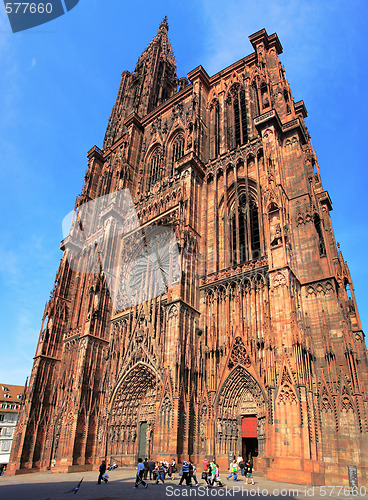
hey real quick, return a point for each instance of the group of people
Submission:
(159, 470)
(246, 469)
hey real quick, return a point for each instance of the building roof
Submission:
(11, 393)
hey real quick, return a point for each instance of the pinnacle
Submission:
(162, 39)
(164, 26)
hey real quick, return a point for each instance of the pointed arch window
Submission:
(321, 241)
(177, 152)
(236, 117)
(154, 168)
(245, 234)
(215, 129)
(255, 99)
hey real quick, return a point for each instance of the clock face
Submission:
(155, 267)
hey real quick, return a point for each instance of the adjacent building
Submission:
(233, 327)
(10, 401)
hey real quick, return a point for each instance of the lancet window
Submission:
(177, 152)
(154, 168)
(215, 129)
(245, 235)
(321, 241)
(236, 117)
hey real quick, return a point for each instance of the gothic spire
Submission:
(160, 42)
(152, 82)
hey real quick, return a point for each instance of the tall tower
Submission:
(222, 319)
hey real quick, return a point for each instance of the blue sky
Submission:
(59, 81)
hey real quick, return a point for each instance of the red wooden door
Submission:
(249, 426)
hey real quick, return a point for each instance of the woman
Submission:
(233, 471)
(248, 471)
(172, 469)
(212, 475)
(217, 475)
(160, 473)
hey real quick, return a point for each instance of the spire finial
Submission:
(164, 26)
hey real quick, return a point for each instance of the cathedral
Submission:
(202, 307)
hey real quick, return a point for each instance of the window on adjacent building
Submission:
(4, 406)
(1, 418)
(5, 389)
(13, 407)
(7, 395)
(5, 445)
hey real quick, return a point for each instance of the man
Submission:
(186, 476)
(206, 471)
(140, 472)
(151, 468)
(102, 470)
(145, 463)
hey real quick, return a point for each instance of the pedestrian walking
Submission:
(212, 475)
(242, 467)
(217, 475)
(248, 471)
(206, 471)
(192, 473)
(140, 472)
(233, 471)
(172, 470)
(102, 471)
(185, 476)
(160, 473)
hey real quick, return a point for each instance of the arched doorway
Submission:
(132, 415)
(240, 416)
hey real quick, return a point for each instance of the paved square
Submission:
(48, 486)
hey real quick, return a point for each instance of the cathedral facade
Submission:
(253, 343)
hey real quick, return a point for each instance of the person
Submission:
(145, 473)
(172, 470)
(151, 468)
(248, 470)
(186, 476)
(233, 471)
(206, 471)
(217, 475)
(2, 469)
(140, 472)
(192, 473)
(102, 470)
(160, 473)
(242, 467)
(212, 474)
